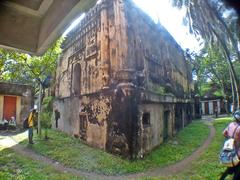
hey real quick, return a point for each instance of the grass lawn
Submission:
(73, 153)
(207, 166)
(16, 167)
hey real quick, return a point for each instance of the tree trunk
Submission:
(229, 33)
(236, 89)
(232, 70)
(46, 134)
(39, 108)
(233, 89)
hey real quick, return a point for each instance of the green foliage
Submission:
(46, 119)
(207, 166)
(218, 93)
(46, 114)
(23, 68)
(159, 89)
(47, 104)
(216, 25)
(212, 69)
(77, 155)
(85, 158)
(14, 166)
(204, 89)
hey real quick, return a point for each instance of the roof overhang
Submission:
(33, 26)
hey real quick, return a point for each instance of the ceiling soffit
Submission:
(33, 25)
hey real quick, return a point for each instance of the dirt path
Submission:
(169, 170)
(181, 165)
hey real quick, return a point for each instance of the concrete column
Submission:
(1, 107)
(18, 110)
(219, 106)
(211, 110)
(203, 107)
(183, 118)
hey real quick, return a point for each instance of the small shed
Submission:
(211, 105)
(15, 101)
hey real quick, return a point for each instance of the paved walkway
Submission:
(169, 170)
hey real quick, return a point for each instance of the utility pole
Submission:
(39, 108)
(42, 85)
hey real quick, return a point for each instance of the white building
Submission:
(209, 106)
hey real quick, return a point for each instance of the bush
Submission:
(46, 119)
(46, 122)
(47, 104)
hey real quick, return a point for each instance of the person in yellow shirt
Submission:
(31, 119)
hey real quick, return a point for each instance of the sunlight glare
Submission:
(74, 24)
(10, 141)
(172, 19)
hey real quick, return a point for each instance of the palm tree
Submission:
(207, 19)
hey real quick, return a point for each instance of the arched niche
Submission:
(76, 81)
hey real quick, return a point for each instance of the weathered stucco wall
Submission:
(152, 131)
(93, 119)
(85, 117)
(84, 66)
(154, 54)
(113, 77)
(69, 109)
(159, 127)
(24, 99)
(19, 119)
(82, 72)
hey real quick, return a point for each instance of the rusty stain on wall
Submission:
(122, 85)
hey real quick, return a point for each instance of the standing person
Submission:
(57, 116)
(233, 129)
(216, 111)
(31, 119)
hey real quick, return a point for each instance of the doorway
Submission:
(206, 105)
(9, 107)
(83, 117)
(165, 124)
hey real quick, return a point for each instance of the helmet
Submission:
(34, 108)
(236, 115)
